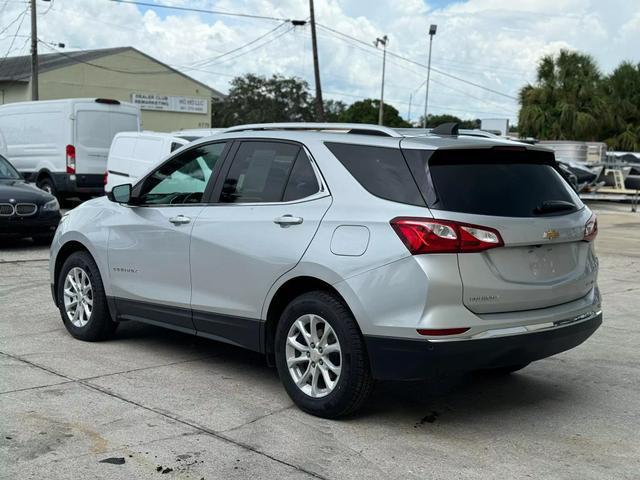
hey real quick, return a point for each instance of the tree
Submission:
(256, 99)
(622, 89)
(366, 111)
(333, 110)
(567, 100)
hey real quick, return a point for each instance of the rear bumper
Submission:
(83, 183)
(67, 184)
(409, 359)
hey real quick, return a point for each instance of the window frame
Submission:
(216, 192)
(215, 174)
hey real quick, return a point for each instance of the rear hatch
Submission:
(95, 126)
(545, 260)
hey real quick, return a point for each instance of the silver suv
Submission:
(344, 253)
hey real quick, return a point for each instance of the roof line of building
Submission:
(18, 69)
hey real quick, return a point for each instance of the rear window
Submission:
(96, 129)
(504, 183)
(381, 171)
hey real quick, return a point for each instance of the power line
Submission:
(201, 10)
(15, 35)
(257, 47)
(204, 62)
(14, 20)
(422, 65)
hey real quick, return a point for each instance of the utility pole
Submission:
(384, 40)
(34, 52)
(409, 113)
(316, 65)
(432, 32)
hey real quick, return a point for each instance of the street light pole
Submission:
(432, 32)
(409, 113)
(384, 40)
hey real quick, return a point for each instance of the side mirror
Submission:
(120, 193)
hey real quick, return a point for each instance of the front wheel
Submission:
(81, 299)
(321, 357)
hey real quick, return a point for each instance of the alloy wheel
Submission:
(314, 356)
(78, 297)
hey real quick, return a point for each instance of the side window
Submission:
(382, 171)
(259, 172)
(302, 181)
(182, 179)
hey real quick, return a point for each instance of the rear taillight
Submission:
(591, 229)
(426, 235)
(106, 177)
(71, 159)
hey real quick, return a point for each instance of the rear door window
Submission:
(505, 183)
(259, 172)
(382, 171)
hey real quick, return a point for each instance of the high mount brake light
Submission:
(426, 235)
(591, 228)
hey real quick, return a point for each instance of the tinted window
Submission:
(382, 171)
(302, 181)
(182, 179)
(500, 183)
(259, 172)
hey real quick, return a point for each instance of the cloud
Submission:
(495, 43)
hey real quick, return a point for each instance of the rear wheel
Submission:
(320, 356)
(47, 185)
(81, 299)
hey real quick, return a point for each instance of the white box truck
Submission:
(62, 145)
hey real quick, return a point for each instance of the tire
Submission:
(343, 394)
(47, 185)
(98, 325)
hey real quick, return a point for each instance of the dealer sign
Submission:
(169, 103)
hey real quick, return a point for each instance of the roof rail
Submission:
(354, 128)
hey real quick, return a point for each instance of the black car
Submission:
(25, 210)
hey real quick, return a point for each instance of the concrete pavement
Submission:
(152, 401)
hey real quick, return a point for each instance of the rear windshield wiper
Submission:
(551, 206)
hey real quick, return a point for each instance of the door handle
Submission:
(287, 220)
(180, 220)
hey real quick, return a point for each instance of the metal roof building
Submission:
(169, 99)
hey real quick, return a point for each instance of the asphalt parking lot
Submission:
(154, 403)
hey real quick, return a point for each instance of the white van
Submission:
(132, 154)
(62, 145)
(3, 145)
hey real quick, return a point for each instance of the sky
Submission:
(494, 44)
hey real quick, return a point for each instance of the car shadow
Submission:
(18, 243)
(453, 398)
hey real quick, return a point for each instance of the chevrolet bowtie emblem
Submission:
(551, 234)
